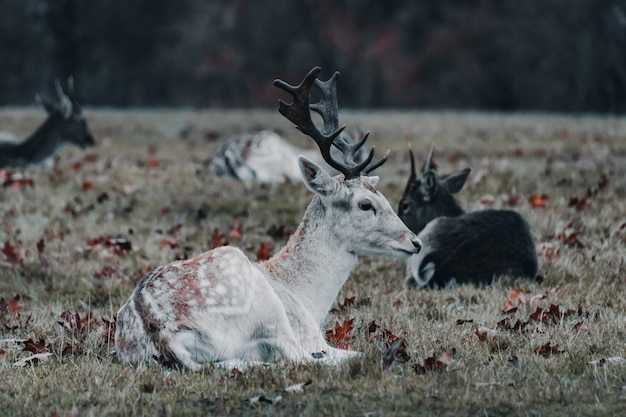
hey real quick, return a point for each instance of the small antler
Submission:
(429, 162)
(299, 112)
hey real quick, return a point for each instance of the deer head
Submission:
(425, 198)
(358, 213)
(65, 118)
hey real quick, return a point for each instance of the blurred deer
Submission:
(65, 124)
(266, 157)
(461, 247)
(220, 307)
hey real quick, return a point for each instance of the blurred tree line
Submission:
(548, 55)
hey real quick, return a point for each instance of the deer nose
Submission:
(416, 243)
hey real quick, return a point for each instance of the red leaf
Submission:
(341, 335)
(569, 236)
(548, 250)
(86, 185)
(538, 201)
(14, 304)
(265, 250)
(173, 231)
(236, 231)
(434, 364)
(511, 200)
(106, 271)
(546, 350)
(172, 244)
(35, 347)
(119, 246)
(108, 331)
(347, 302)
(14, 255)
(218, 240)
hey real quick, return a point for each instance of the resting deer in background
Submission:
(220, 307)
(65, 124)
(461, 247)
(266, 157)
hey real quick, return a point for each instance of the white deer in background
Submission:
(65, 124)
(266, 157)
(220, 307)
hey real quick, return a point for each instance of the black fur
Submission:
(65, 124)
(462, 247)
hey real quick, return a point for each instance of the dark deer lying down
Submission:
(65, 124)
(266, 157)
(220, 307)
(461, 247)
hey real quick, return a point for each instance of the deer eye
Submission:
(366, 205)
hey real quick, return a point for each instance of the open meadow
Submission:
(75, 238)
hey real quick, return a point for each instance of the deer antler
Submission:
(429, 161)
(299, 112)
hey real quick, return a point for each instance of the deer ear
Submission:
(455, 182)
(315, 178)
(46, 103)
(371, 179)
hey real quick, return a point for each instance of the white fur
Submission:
(220, 307)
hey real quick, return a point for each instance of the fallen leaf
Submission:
(347, 302)
(264, 251)
(394, 354)
(434, 364)
(14, 254)
(217, 240)
(14, 304)
(341, 335)
(538, 200)
(35, 347)
(236, 231)
(547, 349)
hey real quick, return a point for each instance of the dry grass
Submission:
(559, 156)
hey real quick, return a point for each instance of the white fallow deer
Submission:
(265, 157)
(65, 124)
(219, 307)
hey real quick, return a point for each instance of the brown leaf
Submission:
(218, 240)
(342, 335)
(347, 302)
(548, 250)
(394, 354)
(118, 246)
(264, 252)
(547, 349)
(511, 200)
(14, 254)
(14, 304)
(434, 364)
(35, 347)
(236, 231)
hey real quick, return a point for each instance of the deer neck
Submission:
(313, 266)
(42, 144)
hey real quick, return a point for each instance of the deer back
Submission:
(64, 124)
(474, 248)
(461, 247)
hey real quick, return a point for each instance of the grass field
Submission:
(76, 238)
